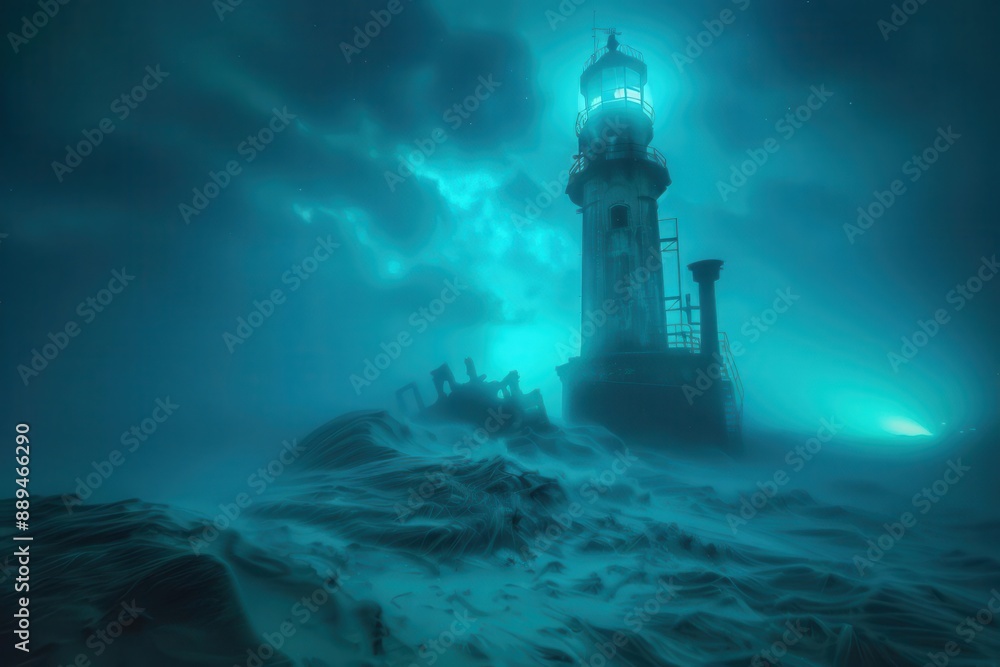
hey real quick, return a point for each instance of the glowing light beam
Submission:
(904, 426)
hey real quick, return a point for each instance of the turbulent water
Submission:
(391, 544)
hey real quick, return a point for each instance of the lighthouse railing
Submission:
(603, 51)
(618, 152)
(584, 116)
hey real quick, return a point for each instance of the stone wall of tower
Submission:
(623, 299)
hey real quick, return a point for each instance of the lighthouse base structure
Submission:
(671, 399)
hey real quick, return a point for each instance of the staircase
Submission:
(732, 389)
(734, 415)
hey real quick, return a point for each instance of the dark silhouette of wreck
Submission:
(499, 406)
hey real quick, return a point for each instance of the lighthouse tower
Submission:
(616, 181)
(639, 372)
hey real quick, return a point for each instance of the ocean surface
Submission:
(379, 542)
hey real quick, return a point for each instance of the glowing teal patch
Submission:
(877, 414)
(903, 426)
(303, 212)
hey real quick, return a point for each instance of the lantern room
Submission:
(614, 82)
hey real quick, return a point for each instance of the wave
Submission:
(389, 543)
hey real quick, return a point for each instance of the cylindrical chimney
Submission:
(705, 273)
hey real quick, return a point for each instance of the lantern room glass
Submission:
(614, 84)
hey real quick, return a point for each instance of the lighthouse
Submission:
(647, 366)
(616, 181)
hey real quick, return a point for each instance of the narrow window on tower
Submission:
(619, 216)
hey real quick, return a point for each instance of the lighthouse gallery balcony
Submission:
(622, 100)
(636, 152)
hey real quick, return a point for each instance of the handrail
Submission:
(727, 362)
(730, 370)
(584, 116)
(686, 334)
(603, 51)
(620, 151)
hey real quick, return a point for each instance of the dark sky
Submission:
(449, 228)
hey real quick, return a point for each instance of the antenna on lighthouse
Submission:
(610, 32)
(593, 30)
